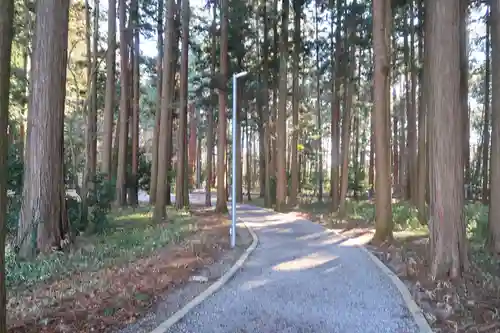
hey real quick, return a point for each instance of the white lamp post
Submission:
(233, 185)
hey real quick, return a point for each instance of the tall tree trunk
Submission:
(181, 195)
(198, 152)
(294, 169)
(134, 181)
(318, 110)
(357, 164)
(249, 147)
(486, 121)
(494, 214)
(448, 247)
(412, 113)
(259, 106)
(6, 35)
(192, 151)
(210, 114)
(402, 144)
(41, 223)
(159, 78)
(109, 103)
(174, 91)
(221, 205)
(395, 141)
(164, 140)
(281, 179)
(371, 167)
(335, 133)
(91, 130)
(346, 120)
(121, 172)
(27, 21)
(381, 44)
(464, 91)
(273, 113)
(114, 154)
(265, 106)
(422, 177)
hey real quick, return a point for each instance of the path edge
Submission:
(415, 310)
(214, 287)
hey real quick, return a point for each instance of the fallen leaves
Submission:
(468, 306)
(114, 296)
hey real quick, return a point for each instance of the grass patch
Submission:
(131, 235)
(407, 225)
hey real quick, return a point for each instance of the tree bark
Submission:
(210, 115)
(486, 120)
(448, 247)
(192, 144)
(281, 179)
(335, 132)
(318, 110)
(133, 181)
(121, 171)
(221, 205)
(156, 131)
(6, 35)
(294, 170)
(381, 40)
(109, 102)
(174, 91)
(162, 194)
(41, 223)
(265, 107)
(181, 195)
(464, 91)
(346, 123)
(494, 214)
(412, 113)
(91, 130)
(248, 156)
(422, 176)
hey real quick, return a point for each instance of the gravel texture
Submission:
(166, 305)
(301, 278)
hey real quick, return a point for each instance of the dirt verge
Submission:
(471, 305)
(145, 291)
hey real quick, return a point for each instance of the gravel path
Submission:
(301, 279)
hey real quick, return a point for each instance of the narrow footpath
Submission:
(301, 278)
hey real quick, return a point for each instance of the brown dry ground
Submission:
(114, 296)
(471, 305)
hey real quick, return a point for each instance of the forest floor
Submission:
(471, 305)
(108, 281)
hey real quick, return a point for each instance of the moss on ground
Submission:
(131, 235)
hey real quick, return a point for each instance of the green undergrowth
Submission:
(131, 235)
(404, 215)
(406, 223)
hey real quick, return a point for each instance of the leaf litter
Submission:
(115, 296)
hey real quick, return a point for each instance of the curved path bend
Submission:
(301, 278)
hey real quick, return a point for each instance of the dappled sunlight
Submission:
(307, 262)
(265, 223)
(249, 285)
(358, 240)
(318, 235)
(330, 270)
(134, 217)
(329, 241)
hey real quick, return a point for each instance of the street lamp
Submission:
(233, 185)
